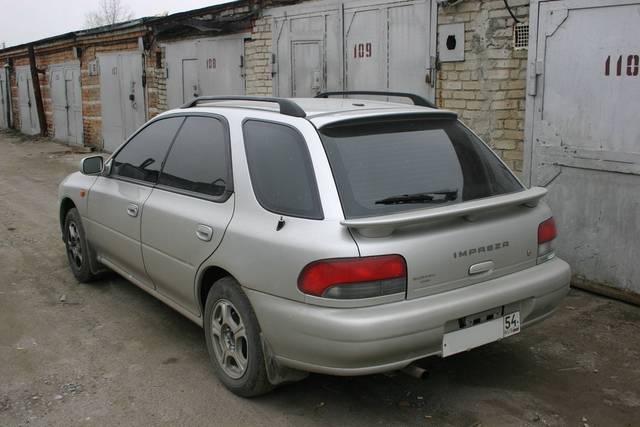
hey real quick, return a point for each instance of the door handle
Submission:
(204, 232)
(481, 267)
(132, 210)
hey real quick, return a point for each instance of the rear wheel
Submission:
(233, 340)
(76, 244)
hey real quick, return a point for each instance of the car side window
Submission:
(281, 170)
(199, 160)
(141, 159)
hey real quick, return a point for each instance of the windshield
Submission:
(394, 165)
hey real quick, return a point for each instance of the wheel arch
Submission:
(208, 278)
(65, 206)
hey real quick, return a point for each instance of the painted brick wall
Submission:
(258, 58)
(487, 89)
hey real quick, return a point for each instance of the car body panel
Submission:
(171, 248)
(75, 188)
(112, 231)
(374, 339)
(252, 239)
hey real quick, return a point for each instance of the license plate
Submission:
(484, 333)
(511, 324)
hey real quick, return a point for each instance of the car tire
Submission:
(77, 248)
(233, 340)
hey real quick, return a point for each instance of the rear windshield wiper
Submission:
(441, 196)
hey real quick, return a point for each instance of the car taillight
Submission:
(546, 235)
(351, 278)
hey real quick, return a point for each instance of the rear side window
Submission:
(389, 166)
(199, 160)
(280, 169)
(141, 159)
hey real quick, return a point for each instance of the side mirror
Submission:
(91, 165)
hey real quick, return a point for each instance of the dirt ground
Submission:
(109, 354)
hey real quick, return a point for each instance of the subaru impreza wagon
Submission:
(333, 235)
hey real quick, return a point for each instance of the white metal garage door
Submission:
(29, 123)
(200, 67)
(356, 45)
(66, 98)
(5, 107)
(121, 97)
(583, 132)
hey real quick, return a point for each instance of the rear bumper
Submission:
(361, 341)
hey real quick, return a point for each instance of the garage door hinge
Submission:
(534, 72)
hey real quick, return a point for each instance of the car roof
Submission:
(322, 111)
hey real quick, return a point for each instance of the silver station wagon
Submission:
(333, 235)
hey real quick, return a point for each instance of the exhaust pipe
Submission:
(415, 372)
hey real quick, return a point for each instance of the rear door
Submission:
(116, 200)
(186, 216)
(387, 167)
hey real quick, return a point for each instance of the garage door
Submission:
(121, 97)
(4, 100)
(29, 123)
(357, 45)
(66, 99)
(201, 67)
(583, 132)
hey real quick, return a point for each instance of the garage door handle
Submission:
(204, 232)
(132, 210)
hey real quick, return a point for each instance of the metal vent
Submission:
(521, 36)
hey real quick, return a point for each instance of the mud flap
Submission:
(276, 373)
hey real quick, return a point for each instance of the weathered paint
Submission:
(26, 99)
(583, 132)
(121, 96)
(356, 45)
(200, 67)
(66, 100)
(5, 107)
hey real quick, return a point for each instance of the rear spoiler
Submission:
(381, 226)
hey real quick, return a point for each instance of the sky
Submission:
(23, 21)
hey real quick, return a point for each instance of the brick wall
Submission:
(257, 52)
(487, 89)
(59, 53)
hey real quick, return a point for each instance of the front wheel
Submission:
(233, 340)
(76, 244)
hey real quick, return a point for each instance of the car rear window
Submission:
(387, 166)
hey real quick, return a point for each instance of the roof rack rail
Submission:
(287, 106)
(417, 99)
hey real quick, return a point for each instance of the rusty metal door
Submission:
(583, 132)
(121, 97)
(29, 123)
(66, 100)
(365, 45)
(5, 107)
